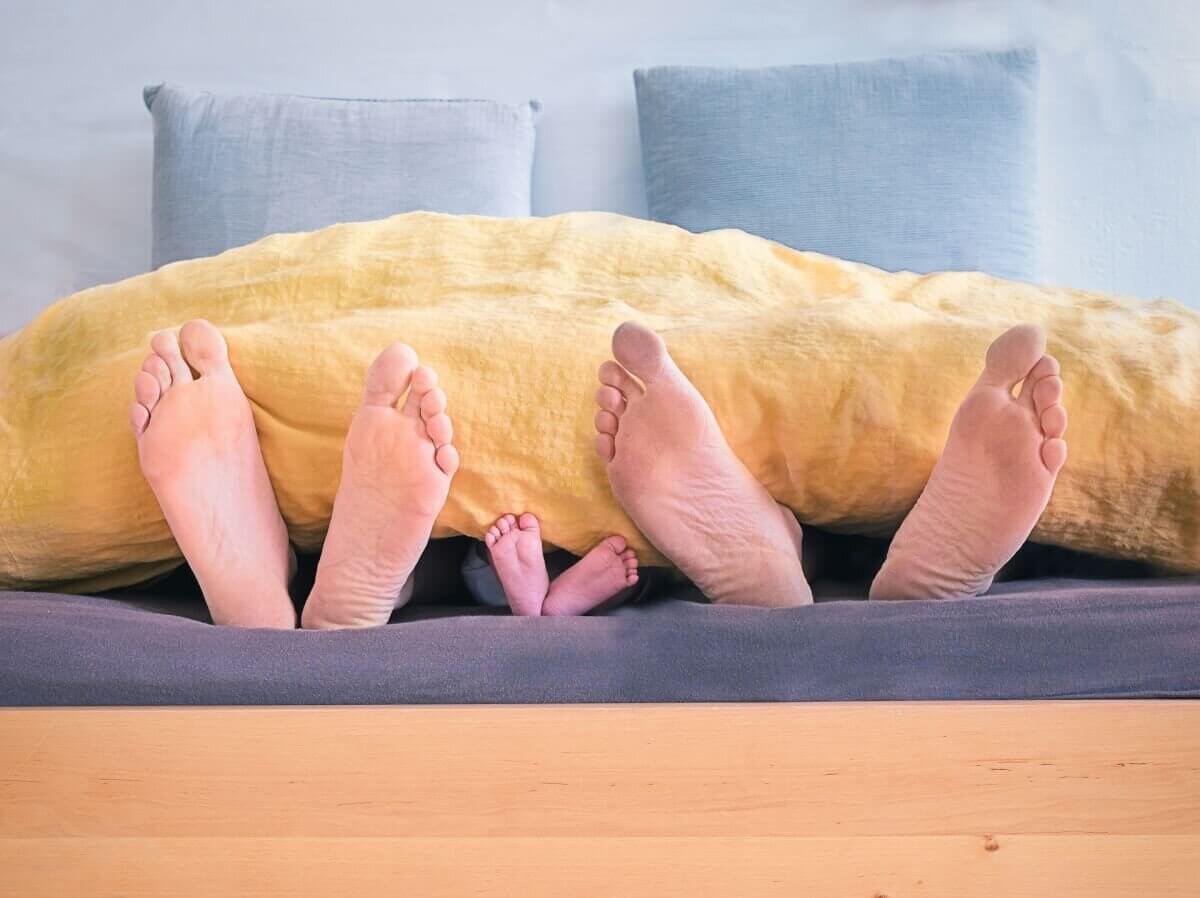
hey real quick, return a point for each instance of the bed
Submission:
(844, 748)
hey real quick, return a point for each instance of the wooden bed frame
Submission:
(1096, 798)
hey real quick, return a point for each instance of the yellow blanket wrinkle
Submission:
(834, 382)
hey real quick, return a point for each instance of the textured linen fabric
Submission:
(924, 164)
(229, 169)
(834, 382)
(1030, 639)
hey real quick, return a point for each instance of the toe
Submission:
(433, 403)
(139, 417)
(389, 375)
(613, 375)
(606, 422)
(610, 399)
(157, 368)
(146, 390)
(424, 380)
(491, 536)
(1047, 366)
(204, 348)
(166, 346)
(1054, 454)
(505, 523)
(528, 521)
(1047, 392)
(1054, 422)
(1012, 356)
(447, 459)
(640, 350)
(606, 447)
(440, 430)
(616, 542)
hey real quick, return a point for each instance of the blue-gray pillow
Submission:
(229, 169)
(925, 164)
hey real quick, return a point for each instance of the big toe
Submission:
(1013, 355)
(640, 350)
(390, 374)
(204, 347)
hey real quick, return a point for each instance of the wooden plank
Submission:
(870, 867)
(1117, 768)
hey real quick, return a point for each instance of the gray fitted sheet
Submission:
(1027, 639)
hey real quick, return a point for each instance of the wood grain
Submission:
(870, 867)
(1043, 798)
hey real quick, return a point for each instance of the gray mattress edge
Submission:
(1051, 638)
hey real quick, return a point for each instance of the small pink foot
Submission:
(515, 545)
(608, 569)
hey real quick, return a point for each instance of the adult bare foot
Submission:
(607, 570)
(673, 472)
(515, 545)
(992, 482)
(396, 470)
(200, 454)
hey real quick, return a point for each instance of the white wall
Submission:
(1120, 120)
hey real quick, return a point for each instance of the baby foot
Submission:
(992, 482)
(608, 569)
(396, 469)
(672, 471)
(516, 549)
(199, 452)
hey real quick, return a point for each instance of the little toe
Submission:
(1012, 355)
(606, 422)
(491, 536)
(389, 375)
(606, 447)
(146, 390)
(203, 347)
(424, 379)
(157, 368)
(1054, 421)
(447, 459)
(528, 521)
(440, 430)
(166, 346)
(139, 417)
(613, 375)
(1054, 454)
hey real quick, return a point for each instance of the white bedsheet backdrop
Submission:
(1119, 120)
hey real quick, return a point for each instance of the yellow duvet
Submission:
(834, 382)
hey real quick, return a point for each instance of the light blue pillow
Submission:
(229, 169)
(923, 164)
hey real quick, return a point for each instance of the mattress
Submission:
(1044, 638)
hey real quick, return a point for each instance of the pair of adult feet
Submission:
(674, 473)
(200, 453)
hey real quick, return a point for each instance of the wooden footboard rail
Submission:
(878, 799)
